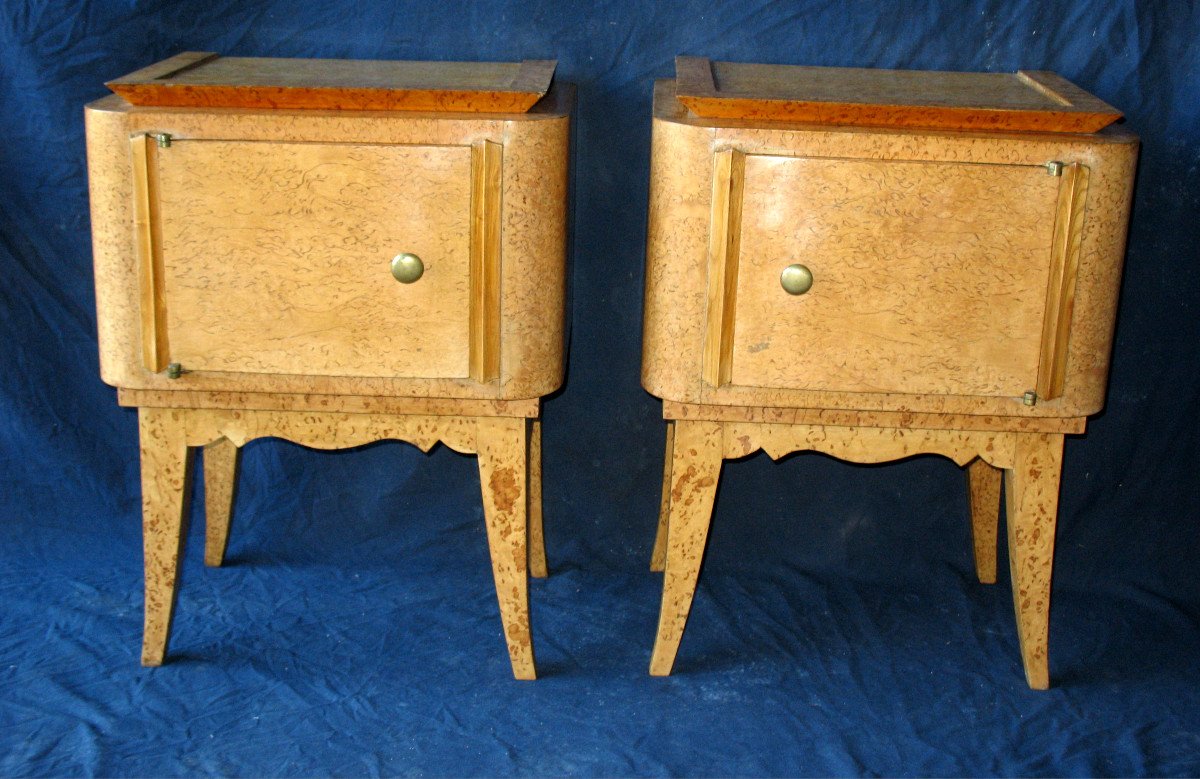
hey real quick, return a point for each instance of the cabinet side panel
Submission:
(677, 238)
(1097, 288)
(111, 196)
(533, 237)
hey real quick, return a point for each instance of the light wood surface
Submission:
(928, 278)
(983, 486)
(503, 470)
(658, 557)
(1031, 488)
(1031, 464)
(531, 212)
(538, 567)
(220, 488)
(678, 327)
(350, 404)
(166, 476)
(276, 257)
(169, 434)
(1060, 291)
(1022, 101)
(205, 79)
(695, 471)
(964, 294)
(244, 288)
(486, 175)
(897, 419)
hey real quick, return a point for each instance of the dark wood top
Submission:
(209, 80)
(1023, 101)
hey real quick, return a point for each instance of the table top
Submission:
(207, 79)
(1022, 101)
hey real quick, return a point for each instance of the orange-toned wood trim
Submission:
(153, 86)
(893, 419)
(155, 349)
(729, 168)
(346, 404)
(486, 175)
(1078, 112)
(1060, 292)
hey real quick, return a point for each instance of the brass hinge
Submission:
(1029, 398)
(162, 139)
(1054, 168)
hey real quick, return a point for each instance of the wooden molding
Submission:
(867, 444)
(729, 168)
(1064, 269)
(486, 179)
(155, 349)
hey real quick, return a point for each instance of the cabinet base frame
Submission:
(508, 448)
(1030, 463)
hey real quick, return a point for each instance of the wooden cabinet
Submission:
(334, 253)
(876, 292)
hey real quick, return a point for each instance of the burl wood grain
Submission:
(503, 469)
(1031, 463)
(204, 79)
(167, 436)
(220, 487)
(983, 486)
(166, 470)
(531, 241)
(928, 278)
(658, 557)
(1031, 487)
(276, 257)
(695, 470)
(1022, 101)
(680, 233)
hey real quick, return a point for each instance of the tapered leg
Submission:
(503, 468)
(984, 484)
(658, 558)
(695, 470)
(1031, 496)
(220, 480)
(537, 537)
(165, 461)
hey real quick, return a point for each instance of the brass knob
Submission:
(796, 279)
(407, 268)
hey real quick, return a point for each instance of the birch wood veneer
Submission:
(946, 291)
(333, 277)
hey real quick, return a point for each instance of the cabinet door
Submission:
(927, 277)
(275, 257)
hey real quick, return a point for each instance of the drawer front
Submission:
(927, 277)
(275, 257)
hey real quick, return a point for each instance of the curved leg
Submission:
(503, 468)
(984, 484)
(537, 537)
(220, 480)
(695, 470)
(165, 461)
(658, 558)
(1031, 495)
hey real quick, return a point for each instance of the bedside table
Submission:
(333, 253)
(874, 265)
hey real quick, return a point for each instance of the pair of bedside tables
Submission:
(871, 264)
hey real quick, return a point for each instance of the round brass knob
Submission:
(407, 268)
(796, 279)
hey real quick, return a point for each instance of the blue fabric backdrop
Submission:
(837, 629)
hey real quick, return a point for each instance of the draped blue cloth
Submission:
(838, 628)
